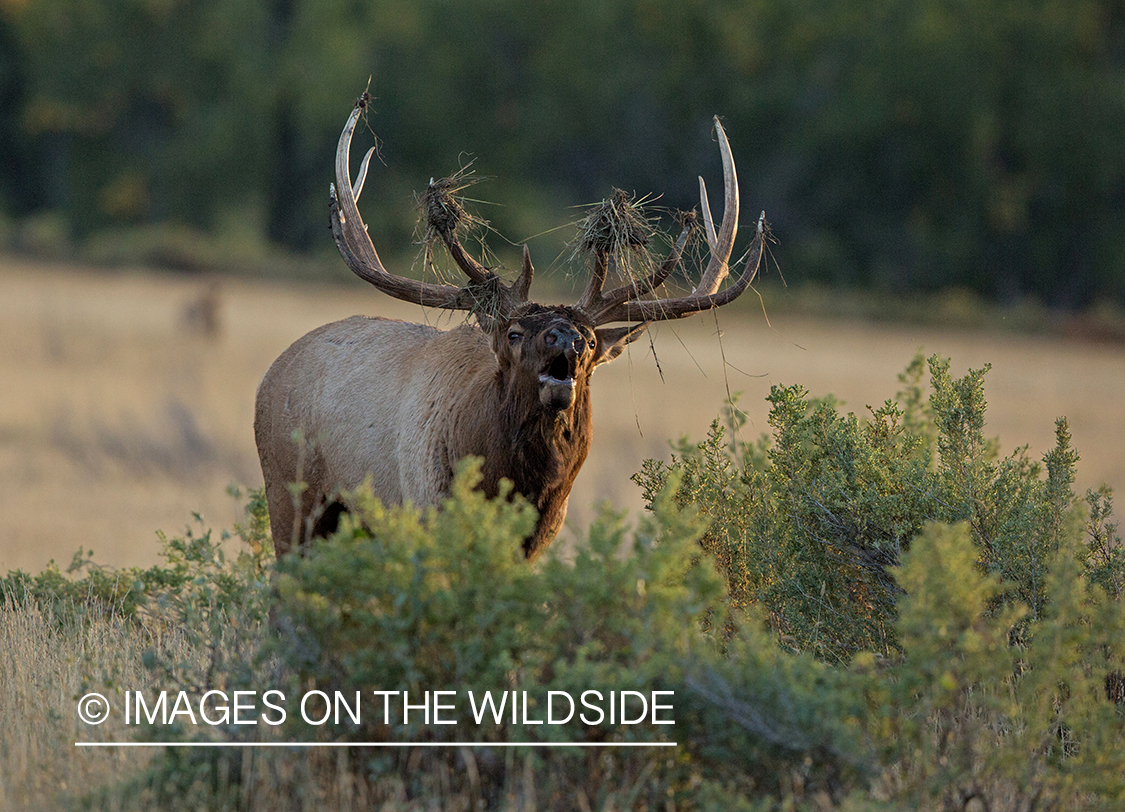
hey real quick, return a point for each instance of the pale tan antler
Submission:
(623, 304)
(359, 252)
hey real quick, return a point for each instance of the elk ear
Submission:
(497, 337)
(612, 341)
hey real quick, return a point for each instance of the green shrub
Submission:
(398, 601)
(808, 524)
(963, 714)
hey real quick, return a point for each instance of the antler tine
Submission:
(521, 288)
(357, 187)
(592, 295)
(721, 244)
(355, 245)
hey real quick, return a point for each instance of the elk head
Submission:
(550, 350)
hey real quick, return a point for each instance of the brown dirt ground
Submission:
(120, 417)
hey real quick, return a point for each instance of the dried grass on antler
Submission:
(626, 232)
(443, 212)
(620, 222)
(616, 237)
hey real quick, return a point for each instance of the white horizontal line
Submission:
(375, 744)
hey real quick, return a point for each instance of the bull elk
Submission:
(401, 403)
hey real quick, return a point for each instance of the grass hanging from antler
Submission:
(615, 223)
(442, 209)
(443, 214)
(621, 230)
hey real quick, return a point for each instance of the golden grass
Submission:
(119, 416)
(46, 667)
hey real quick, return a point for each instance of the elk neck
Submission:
(540, 450)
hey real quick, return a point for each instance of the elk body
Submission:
(402, 403)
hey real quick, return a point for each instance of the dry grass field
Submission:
(120, 415)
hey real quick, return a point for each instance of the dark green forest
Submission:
(896, 145)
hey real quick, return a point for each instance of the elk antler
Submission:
(359, 253)
(623, 303)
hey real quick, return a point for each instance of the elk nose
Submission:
(565, 338)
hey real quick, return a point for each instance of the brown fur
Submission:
(402, 403)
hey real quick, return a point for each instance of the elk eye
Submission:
(514, 336)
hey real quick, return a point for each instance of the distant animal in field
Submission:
(399, 404)
(202, 315)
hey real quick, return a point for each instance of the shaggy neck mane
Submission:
(540, 450)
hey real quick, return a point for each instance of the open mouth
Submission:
(559, 372)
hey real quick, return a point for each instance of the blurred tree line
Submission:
(895, 144)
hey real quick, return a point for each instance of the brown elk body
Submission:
(399, 404)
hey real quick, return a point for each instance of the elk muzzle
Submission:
(562, 349)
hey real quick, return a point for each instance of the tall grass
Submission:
(53, 655)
